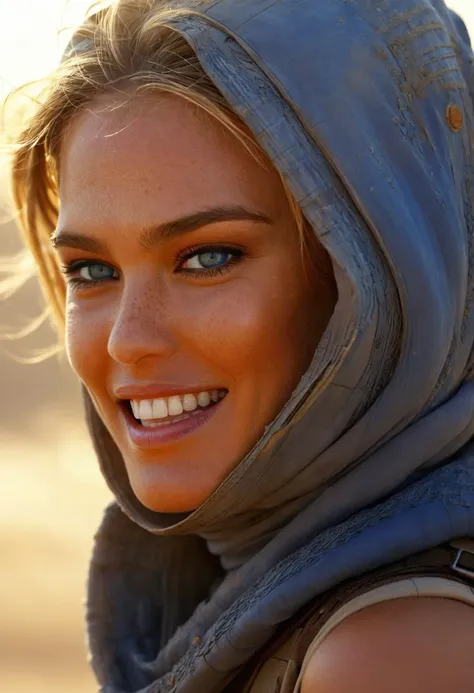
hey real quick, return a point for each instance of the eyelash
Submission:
(70, 268)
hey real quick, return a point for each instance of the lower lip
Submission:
(152, 437)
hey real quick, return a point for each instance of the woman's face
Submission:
(191, 314)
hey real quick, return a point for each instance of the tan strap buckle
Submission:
(464, 560)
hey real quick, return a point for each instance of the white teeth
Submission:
(204, 399)
(160, 409)
(189, 403)
(175, 407)
(149, 410)
(146, 409)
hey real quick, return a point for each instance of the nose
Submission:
(142, 326)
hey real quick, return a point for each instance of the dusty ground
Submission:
(50, 503)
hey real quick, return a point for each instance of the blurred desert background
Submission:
(51, 493)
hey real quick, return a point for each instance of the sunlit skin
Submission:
(157, 315)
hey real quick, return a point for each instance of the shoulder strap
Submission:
(454, 561)
(277, 666)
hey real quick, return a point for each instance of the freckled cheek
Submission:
(86, 344)
(237, 327)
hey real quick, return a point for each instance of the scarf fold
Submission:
(369, 460)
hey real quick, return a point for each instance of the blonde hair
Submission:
(128, 44)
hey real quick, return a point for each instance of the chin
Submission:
(169, 498)
(169, 506)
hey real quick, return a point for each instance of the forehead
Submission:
(124, 161)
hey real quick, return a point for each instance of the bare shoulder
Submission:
(408, 645)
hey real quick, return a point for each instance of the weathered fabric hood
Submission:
(365, 106)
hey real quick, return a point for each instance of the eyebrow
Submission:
(151, 237)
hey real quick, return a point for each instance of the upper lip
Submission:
(154, 391)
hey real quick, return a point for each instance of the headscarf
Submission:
(365, 106)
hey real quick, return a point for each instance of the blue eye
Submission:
(208, 259)
(88, 273)
(204, 262)
(95, 271)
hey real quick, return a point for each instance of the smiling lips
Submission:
(152, 423)
(167, 410)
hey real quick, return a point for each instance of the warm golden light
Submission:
(31, 38)
(51, 492)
